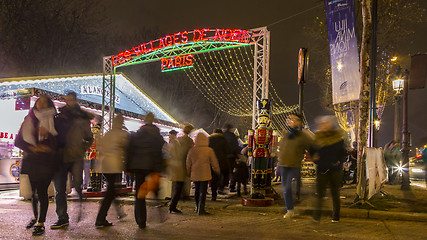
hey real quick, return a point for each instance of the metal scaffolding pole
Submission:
(261, 39)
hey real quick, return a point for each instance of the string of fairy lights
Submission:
(225, 78)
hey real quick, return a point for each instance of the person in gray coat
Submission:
(177, 172)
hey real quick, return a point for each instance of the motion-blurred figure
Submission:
(220, 146)
(292, 148)
(144, 157)
(177, 171)
(74, 139)
(112, 149)
(232, 155)
(37, 139)
(328, 153)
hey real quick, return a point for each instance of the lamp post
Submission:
(398, 87)
(405, 134)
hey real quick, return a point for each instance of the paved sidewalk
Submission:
(391, 204)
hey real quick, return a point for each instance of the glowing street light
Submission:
(393, 59)
(377, 124)
(398, 85)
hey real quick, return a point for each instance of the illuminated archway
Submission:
(176, 51)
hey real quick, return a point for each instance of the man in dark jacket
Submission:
(74, 139)
(144, 157)
(234, 152)
(220, 146)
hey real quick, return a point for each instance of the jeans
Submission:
(177, 190)
(40, 196)
(334, 179)
(288, 173)
(109, 197)
(60, 183)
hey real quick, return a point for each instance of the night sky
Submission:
(286, 38)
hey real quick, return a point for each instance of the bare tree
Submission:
(50, 36)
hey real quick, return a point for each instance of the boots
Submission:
(196, 209)
(201, 208)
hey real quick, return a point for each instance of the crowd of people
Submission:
(54, 144)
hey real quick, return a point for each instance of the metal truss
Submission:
(261, 40)
(259, 37)
(108, 85)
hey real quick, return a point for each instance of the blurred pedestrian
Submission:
(37, 138)
(172, 135)
(177, 171)
(220, 146)
(241, 174)
(200, 159)
(292, 148)
(112, 149)
(233, 154)
(328, 152)
(74, 139)
(144, 156)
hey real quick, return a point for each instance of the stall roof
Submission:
(129, 97)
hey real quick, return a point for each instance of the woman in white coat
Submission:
(200, 159)
(112, 156)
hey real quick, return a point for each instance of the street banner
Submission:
(376, 170)
(343, 50)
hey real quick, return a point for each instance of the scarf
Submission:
(328, 138)
(45, 118)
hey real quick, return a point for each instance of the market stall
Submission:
(17, 96)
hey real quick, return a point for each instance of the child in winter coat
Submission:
(241, 174)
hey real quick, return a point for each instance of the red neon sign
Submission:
(197, 35)
(178, 62)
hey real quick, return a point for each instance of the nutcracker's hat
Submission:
(264, 107)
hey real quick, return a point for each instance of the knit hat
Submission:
(149, 118)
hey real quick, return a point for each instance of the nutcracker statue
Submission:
(93, 156)
(261, 145)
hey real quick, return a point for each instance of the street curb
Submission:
(225, 203)
(345, 212)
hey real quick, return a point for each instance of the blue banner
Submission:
(343, 50)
